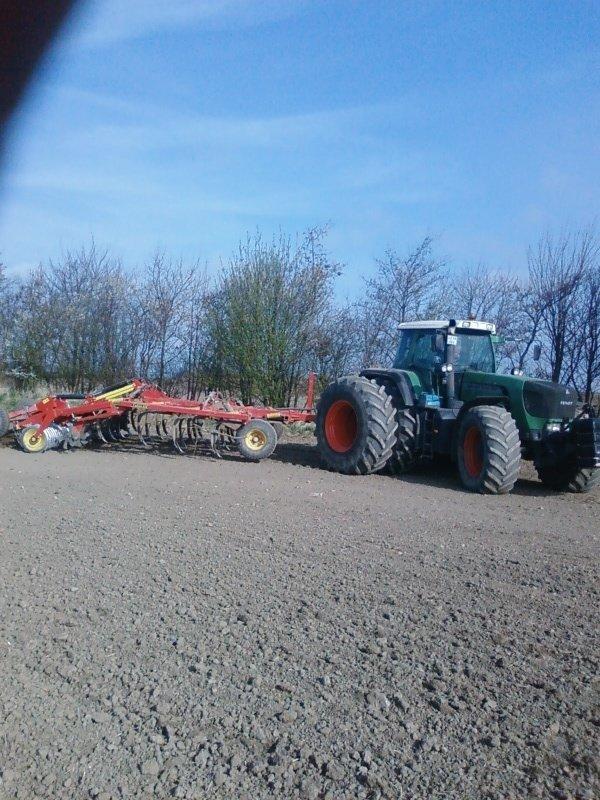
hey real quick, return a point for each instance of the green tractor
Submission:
(443, 397)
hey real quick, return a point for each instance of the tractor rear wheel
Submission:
(4, 423)
(404, 453)
(488, 450)
(355, 426)
(568, 477)
(256, 439)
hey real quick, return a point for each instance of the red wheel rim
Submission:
(473, 451)
(341, 426)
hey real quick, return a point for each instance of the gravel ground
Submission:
(184, 627)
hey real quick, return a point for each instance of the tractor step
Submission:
(428, 436)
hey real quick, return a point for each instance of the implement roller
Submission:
(137, 410)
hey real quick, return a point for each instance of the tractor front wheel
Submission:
(4, 423)
(355, 426)
(568, 477)
(488, 450)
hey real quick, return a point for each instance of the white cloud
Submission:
(153, 191)
(131, 148)
(103, 22)
(133, 125)
(225, 132)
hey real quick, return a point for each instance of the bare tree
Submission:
(6, 302)
(486, 294)
(403, 288)
(337, 345)
(166, 290)
(71, 320)
(497, 297)
(557, 270)
(583, 339)
(195, 335)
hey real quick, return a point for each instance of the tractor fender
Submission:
(495, 400)
(397, 378)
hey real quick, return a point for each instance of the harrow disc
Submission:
(187, 433)
(98, 433)
(152, 428)
(31, 440)
(118, 428)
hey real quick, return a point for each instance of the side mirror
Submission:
(537, 352)
(498, 340)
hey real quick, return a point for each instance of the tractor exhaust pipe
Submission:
(449, 384)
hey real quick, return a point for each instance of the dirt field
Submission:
(184, 627)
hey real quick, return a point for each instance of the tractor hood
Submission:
(549, 400)
(532, 402)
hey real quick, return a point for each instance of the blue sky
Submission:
(184, 124)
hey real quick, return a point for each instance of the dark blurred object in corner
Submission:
(27, 28)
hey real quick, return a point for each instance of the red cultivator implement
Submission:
(137, 409)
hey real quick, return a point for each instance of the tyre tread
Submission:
(569, 479)
(503, 449)
(4, 422)
(381, 425)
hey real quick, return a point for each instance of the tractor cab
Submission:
(433, 349)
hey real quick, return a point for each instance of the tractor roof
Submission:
(464, 324)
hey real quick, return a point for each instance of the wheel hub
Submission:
(255, 439)
(341, 426)
(473, 450)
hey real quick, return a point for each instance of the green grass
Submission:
(301, 429)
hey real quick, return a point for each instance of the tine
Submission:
(142, 429)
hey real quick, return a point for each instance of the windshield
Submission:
(474, 351)
(417, 351)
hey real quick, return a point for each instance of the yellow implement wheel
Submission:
(256, 439)
(31, 441)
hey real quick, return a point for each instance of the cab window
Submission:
(474, 351)
(416, 350)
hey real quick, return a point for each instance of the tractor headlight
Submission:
(552, 427)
